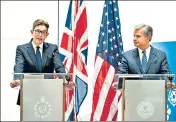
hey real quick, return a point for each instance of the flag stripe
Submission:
(98, 65)
(69, 109)
(80, 12)
(104, 91)
(114, 106)
(109, 99)
(84, 45)
(65, 43)
(98, 86)
(81, 25)
(115, 116)
(109, 50)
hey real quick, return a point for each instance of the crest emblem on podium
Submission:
(172, 97)
(145, 109)
(42, 109)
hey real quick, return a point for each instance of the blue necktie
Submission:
(144, 61)
(39, 58)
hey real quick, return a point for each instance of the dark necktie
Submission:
(39, 58)
(144, 61)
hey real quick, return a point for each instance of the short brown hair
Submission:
(40, 22)
(148, 30)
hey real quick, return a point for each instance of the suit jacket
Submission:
(26, 61)
(131, 64)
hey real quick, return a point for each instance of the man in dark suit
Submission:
(37, 56)
(155, 59)
(144, 59)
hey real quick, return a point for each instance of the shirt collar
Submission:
(147, 50)
(41, 45)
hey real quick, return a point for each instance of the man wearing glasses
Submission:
(37, 56)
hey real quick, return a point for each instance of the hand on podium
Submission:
(170, 85)
(15, 83)
(115, 85)
(70, 85)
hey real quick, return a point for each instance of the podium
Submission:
(144, 96)
(42, 96)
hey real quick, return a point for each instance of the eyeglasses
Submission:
(39, 31)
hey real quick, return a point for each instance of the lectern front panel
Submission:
(42, 100)
(144, 100)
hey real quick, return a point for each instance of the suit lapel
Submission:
(151, 58)
(31, 53)
(45, 54)
(137, 59)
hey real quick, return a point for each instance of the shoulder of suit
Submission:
(129, 51)
(50, 44)
(158, 50)
(23, 45)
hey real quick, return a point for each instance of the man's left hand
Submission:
(170, 85)
(70, 85)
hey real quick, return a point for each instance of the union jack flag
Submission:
(73, 52)
(108, 55)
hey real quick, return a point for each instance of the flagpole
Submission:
(74, 104)
(74, 74)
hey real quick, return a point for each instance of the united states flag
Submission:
(108, 55)
(73, 52)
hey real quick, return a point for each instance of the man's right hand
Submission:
(170, 85)
(14, 84)
(115, 85)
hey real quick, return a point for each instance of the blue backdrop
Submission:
(170, 49)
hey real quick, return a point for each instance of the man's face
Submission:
(140, 40)
(39, 34)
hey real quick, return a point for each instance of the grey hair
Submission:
(148, 30)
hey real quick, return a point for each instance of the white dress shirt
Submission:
(147, 53)
(40, 49)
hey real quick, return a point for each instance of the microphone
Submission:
(170, 84)
(170, 77)
(67, 76)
